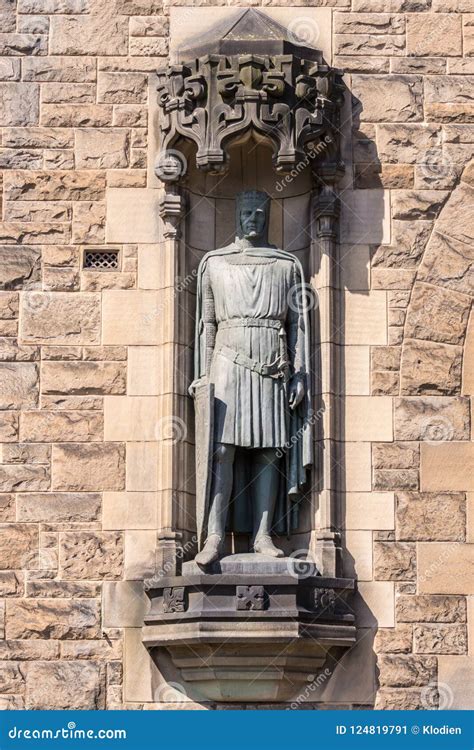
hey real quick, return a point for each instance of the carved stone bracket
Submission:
(171, 211)
(254, 637)
(211, 100)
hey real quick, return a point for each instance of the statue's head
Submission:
(252, 215)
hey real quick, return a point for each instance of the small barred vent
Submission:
(103, 260)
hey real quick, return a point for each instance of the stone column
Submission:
(173, 421)
(325, 213)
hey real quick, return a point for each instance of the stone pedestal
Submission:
(256, 631)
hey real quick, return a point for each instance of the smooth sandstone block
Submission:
(447, 466)
(365, 318)
(445, 568)
(375, 604)
(137, 317)
(356, 467)
(358, 555)
(458, 673)
(140, 554)
(129, 510)
(368, 418)
(371, 510)
(133, 215)
(365, 217)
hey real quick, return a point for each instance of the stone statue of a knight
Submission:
(253, 434)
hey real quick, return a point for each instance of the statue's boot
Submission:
(265, 484)
(211, 550)
(263, 545)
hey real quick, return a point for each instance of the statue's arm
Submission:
(208, 324)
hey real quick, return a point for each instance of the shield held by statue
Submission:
(204, 427)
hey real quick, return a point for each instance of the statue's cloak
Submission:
(297, 454)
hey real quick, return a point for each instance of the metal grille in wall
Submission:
(103, 260)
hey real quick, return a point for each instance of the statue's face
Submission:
(253, 220)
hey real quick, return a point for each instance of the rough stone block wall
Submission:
(84, 373)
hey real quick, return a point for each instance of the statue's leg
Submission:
(265, 483)
(221, 489)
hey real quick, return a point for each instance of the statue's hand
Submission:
(296, 392)
(195, 384)
(192, 388)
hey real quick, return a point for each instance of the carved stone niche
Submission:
(243, 108)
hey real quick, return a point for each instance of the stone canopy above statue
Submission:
(249, 72)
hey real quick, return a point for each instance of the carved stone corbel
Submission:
(171, 212)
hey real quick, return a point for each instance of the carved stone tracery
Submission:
(293, 101)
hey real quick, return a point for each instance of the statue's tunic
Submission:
(247, 297)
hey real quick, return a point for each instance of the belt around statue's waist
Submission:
(251, 323)
(280, 368)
